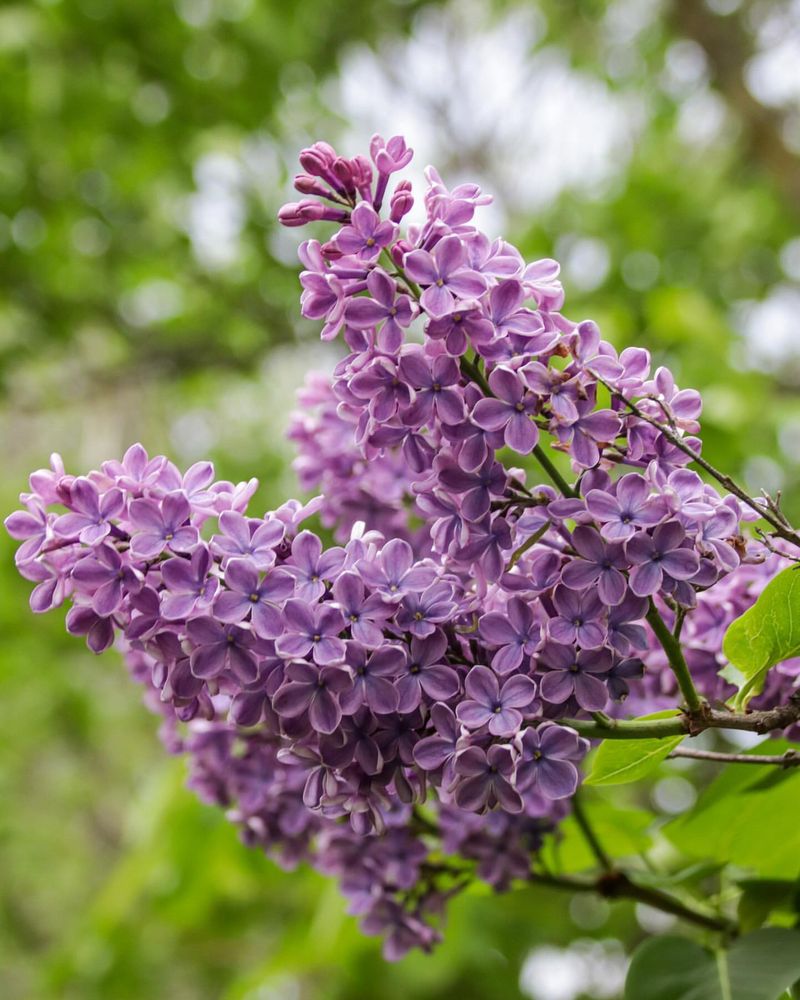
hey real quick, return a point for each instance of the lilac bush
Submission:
(397, 680)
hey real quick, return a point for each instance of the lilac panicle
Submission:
(367, 704)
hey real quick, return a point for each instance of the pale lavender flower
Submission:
(631, 508)
(161, 525)
(311, 567)
(445, 273)
(90, 518)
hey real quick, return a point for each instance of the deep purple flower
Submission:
(364, 615)
(483, 780)
(311, 567)
(631, 508)
(439, 751)
(489, 704)
(371, 678)
(190, 588)
(575, 674)
(623, 671)
(105, 577)
(466, 324)
(515, 633)
(548, 758)
(98, 629)
(426, 671)
(158, 526)
(600, 565)
(558, 388)
(659, 556)
(366, 235)
(312, 629)
(382, 386)
(249, 594)
(580, 618)
(313, 690)
(445, 273)
(419, 614)
(435, 382)
(623, 632)
(91, 512)
(477, 487)
(510, 411)
(221, 649)
(443, 513)
(486, 542)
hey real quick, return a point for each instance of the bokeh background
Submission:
(147, 294)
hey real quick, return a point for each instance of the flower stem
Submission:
(543, 459)
(589, 834)
(677, 660)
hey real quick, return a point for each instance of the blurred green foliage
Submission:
(124, 315)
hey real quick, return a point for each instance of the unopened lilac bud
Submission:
(330, 251)
(343, 171)
(318, 159)
(402, 201)
(300, 213)
(399, 251)
(306, 184)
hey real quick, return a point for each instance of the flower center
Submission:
(370, 242)
(254, 598)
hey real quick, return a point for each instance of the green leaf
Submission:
(766, 634)
(759, 966)
(738, 813)
(762, 896)
(618, 762)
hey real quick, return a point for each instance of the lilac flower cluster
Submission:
(391, 707)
